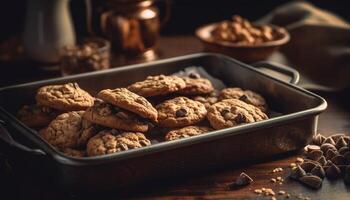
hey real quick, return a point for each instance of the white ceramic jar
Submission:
(48, 27)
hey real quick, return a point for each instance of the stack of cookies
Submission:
(121, 118)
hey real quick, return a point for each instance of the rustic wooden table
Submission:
(215, 185)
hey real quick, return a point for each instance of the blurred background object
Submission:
(47, 28)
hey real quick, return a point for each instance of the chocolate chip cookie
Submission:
(69, 130)
(185, 132)
(180, 111)
(73, 152)
(247, 96)
(196, 86)
(67, 97)
(157, 85)
(112, 141)
(232, 112)
(36, 116)
(106, 114)
(123, 98)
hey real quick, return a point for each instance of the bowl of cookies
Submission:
(240, 39)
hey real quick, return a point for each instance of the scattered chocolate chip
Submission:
(338, 160)
(329, 140)
(308, 166)
(341, 143)
(312, 181)
(343, 150)
(240, 118)
(297, 173)
(318, 139)
(194, 75)
(318, 171)
(326, 146)
(333, 172)
(124, 146)
(181, 112)
(243, 179)
(331, 153)
(347, 175)
(322, 160)
(314, 155)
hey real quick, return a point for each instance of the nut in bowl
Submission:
(242, 40)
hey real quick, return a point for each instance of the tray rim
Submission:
(162, 146)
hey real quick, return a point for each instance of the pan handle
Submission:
(292, 73)
(6, 137)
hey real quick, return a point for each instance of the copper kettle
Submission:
(132, 25)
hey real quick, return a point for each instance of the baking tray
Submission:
(283, 133)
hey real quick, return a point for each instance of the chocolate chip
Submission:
(240, 118)
(308, 166)
(341, 143)
(336, 137)
(310, 148)
(181, 112)
(331, 153)
(329, 140)
(244, 98)
(326, 146)
(343, 150)
(347, 175)
(314, 155)
(318, 139)
(318, 171)
(122, 115)
(297, 173)
(347, 157)
(312, 181)
(243, 179)
(333, 172)
(194, 75)
(338, 160)
(322, 160)
(115, 132)
(224, 111)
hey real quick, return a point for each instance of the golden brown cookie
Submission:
(185, 132)
(69, 130)
(157, 85)
(73, 152)
(123, 98)
(106, 114)
(36, 116)
(196, 86)
(112, 141)
(67, 97)
(247, 96)
(232, 112)
(180, 111)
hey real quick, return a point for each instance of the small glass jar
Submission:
(131, 25)
(92, 55)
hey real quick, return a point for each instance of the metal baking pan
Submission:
(287, 132)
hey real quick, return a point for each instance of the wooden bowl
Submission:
(243, 52)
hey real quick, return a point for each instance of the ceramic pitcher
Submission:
(48, 27)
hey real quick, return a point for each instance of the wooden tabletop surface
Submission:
(215, 185)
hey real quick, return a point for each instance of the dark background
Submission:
(186, 15)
